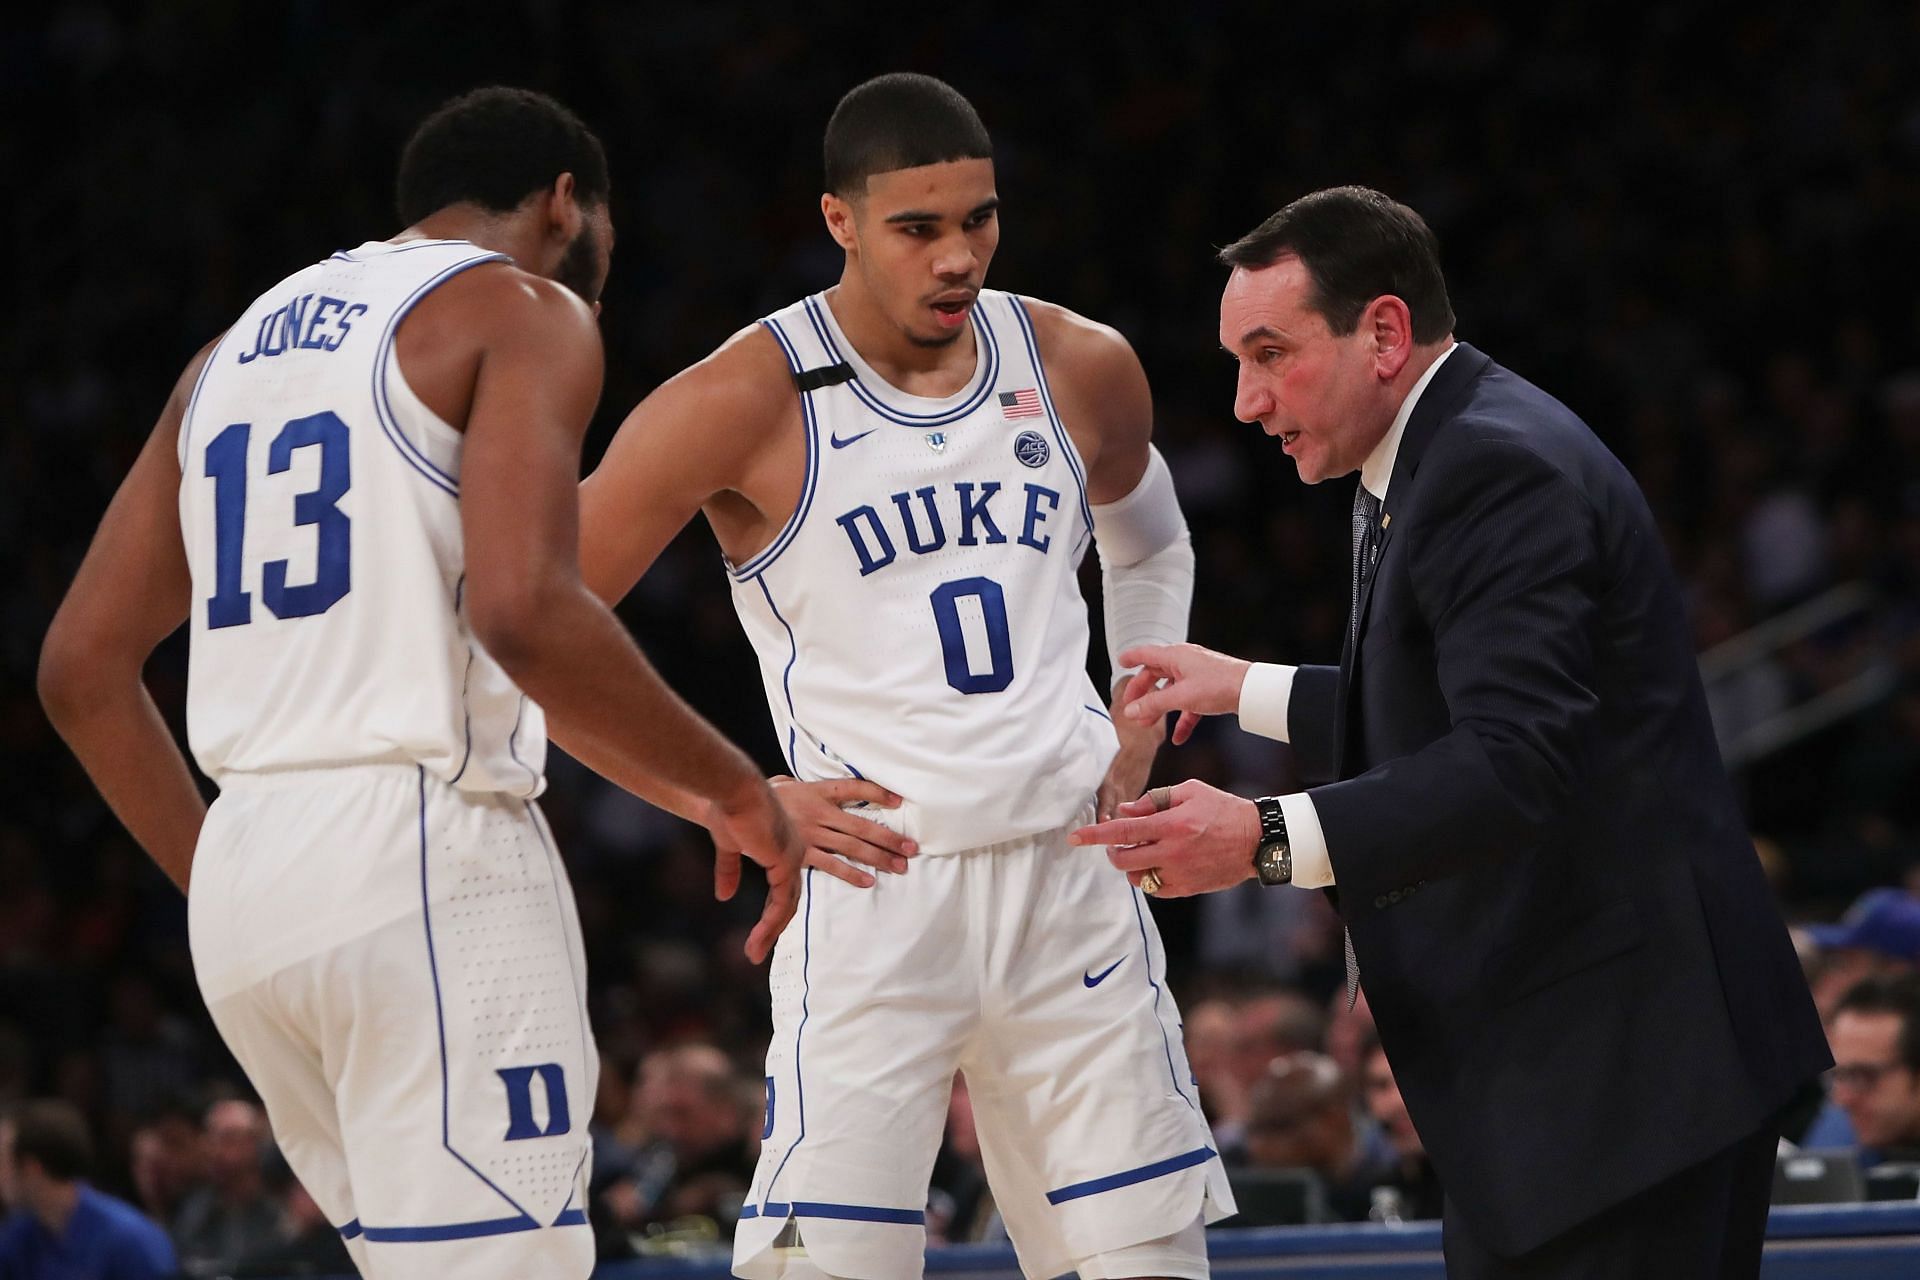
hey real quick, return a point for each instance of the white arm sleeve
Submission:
(1146, 564)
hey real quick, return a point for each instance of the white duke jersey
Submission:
(319, 501)
(919, 621)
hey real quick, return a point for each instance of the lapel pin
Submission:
(1386, 521)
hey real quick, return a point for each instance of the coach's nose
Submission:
(1252, 401)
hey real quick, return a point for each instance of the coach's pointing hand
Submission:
(1202, 840)
(1193, 681)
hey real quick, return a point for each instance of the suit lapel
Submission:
(1437, 406)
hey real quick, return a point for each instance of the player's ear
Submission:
(839, 216)
(565, 217)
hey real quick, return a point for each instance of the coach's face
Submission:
(1326, 397)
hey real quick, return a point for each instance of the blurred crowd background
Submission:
(1694, 226)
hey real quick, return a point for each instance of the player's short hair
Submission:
(1894, 993)
(899, 121)
(54, 1134)
(1356, 245)
(493, 148)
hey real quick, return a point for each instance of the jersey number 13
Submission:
(229, 605)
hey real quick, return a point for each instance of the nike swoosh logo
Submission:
(1095, 979)
(838, 443)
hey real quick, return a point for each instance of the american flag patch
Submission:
(1020, 404)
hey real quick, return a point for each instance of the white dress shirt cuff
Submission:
(1264, 698)
(1311, 867)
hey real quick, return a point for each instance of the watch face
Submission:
(1272, 865)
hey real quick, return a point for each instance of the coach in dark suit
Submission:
(1578, 972)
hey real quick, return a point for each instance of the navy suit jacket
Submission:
(1578, 971)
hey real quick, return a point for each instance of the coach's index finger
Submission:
(1156, 656)
(1122, 831)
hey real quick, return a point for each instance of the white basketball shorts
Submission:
(397, 966)
(1034, 969)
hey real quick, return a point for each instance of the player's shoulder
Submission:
(1077, 347)
(504, 300)
(745, 380)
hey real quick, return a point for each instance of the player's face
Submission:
(1316, 391)
(923, 238)
(589, 256)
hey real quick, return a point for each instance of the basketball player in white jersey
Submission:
(364, 497)
(903, 473)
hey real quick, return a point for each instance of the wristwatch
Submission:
(1273, 856)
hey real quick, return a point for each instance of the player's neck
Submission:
(511, 235)
(916, 368)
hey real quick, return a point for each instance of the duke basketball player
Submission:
(364, 496)
(904, 472)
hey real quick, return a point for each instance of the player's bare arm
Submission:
(133, 591)
(723, 437)
(1107, 407)
(535, 390)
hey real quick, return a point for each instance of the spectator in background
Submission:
(1875, 1034)
(1209, 1032)
(960, 1208)
(61, 1228)
(232, 1216)
(1413, 1190)
(1879, 936)
(165, 1159)
(696, 1159)
(1350, 1033)
(1302, 1116)
(1272, 1024)
(309, 1245)
(1231, 1041)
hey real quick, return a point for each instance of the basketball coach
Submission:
(1579, 975)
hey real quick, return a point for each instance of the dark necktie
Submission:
(1366, 528)
(1366, 525)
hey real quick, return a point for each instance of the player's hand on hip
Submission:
(1186, 678)
(750, 822)
(1201, 839)
(1127, 775)
(840, 842)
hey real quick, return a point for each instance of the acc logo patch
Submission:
(1031, 448)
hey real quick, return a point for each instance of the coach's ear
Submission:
(839, 216)
(1388, 324)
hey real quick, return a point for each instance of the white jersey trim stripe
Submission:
(1074, 464)
(982, 329)
(390, 426)
(786, 677)
(466, 685)
(754, 566)
(513, 750)
(186, 422)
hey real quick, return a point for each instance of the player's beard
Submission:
(944, 340)
(580, 268)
